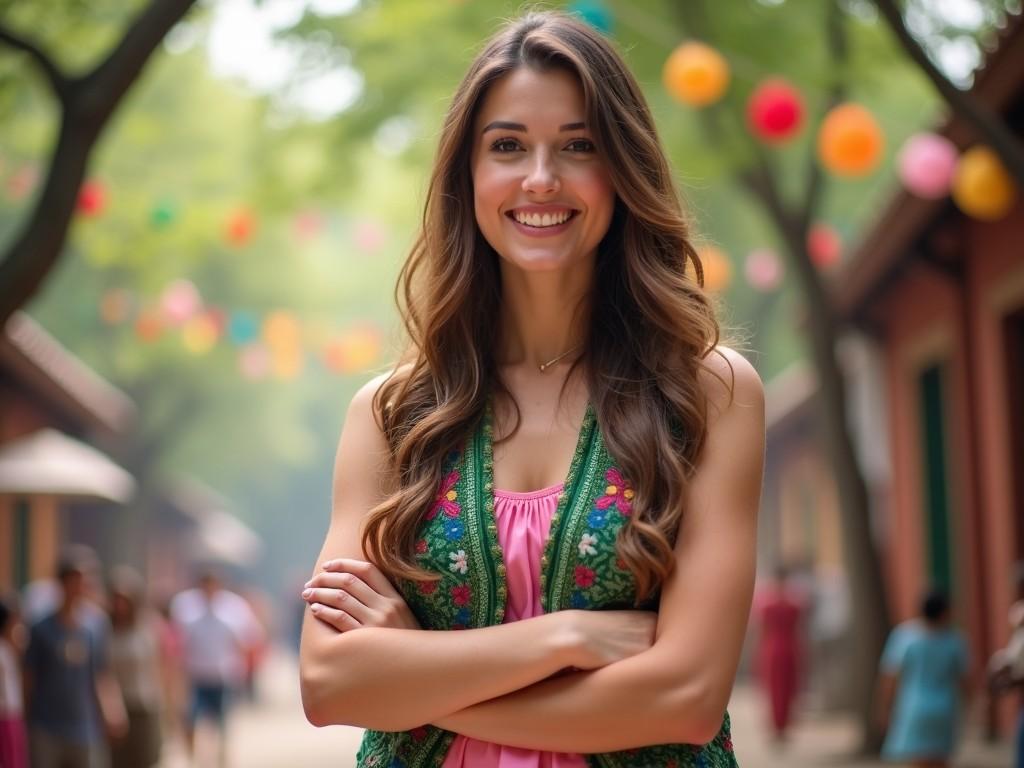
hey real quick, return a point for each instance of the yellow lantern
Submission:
(281, 331)
(696, 74)
(200, 334)
(850, 141)
(717, 268)
(982, 188)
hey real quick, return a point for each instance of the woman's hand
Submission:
(604, 637)
(350, 594)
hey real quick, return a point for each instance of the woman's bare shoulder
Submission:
(728, 380)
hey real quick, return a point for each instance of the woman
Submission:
(924, 674)
(135, 659)
(565, 464)
(779, 611)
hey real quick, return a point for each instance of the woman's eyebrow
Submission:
(507, 126)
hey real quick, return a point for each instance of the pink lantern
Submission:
(369, 236)
(763, 269)
(254, 361)
(824, 245)
(307, 224)
(926, 163)
(92, 198)
(179, 302)
(775, 111)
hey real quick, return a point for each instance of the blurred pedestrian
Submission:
(218, 628)
(135, 661)
(1006, 668)
(779, 611)
(13, 741)
(923, 681)
(74, 703)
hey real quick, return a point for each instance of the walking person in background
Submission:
(13, 740)
(218, 628)
(923, 682)
(1006, 667)
(779, 611)
(543, 538)
(74, 703)
(135, 661)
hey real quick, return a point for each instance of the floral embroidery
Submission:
(427, 587)
(586, 545)
(421, 547)
(418, 733)
(578, 600)
(446, 498)
(598, 518)
(453, 530)
(462, 594)
(619, 492)
(584, 576)
(459, 562)
(462, 616)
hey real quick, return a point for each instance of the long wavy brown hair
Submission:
(645, 347)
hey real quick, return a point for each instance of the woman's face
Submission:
(542, 195)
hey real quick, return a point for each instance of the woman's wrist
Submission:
(567, 638)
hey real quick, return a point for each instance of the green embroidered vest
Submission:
(458, 540)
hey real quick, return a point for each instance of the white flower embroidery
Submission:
(587, 543)
(459, 561)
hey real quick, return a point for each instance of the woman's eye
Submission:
(505, 145)
(581, 145)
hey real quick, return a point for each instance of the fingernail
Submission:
(307, 584)
(307, 592)
(315, 607)
(328, 564)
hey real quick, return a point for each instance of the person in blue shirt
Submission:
(74, 703)
(923, 681)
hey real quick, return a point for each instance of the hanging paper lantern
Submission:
(281, 331)
(775, 111)
(850, 141)
(163, 214)
(254, 361)
(926, 163)
(115, 306)
(242, 327)
(240, 227)
(595, 13)
(149, 325)
(354, 351)
(982, 187)
(369, 236)
(21, 184)
(179, 302)
(763, 269)
(92, 198)
(307, 225)
(824, 245)
(200, 334)
(696, 74)
(286, 363)
(717, 268)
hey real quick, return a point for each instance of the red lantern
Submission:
(92, 198)
(824, 245)
(775, 111)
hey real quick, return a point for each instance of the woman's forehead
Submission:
(530, 98)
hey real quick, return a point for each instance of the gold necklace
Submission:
(544, 366)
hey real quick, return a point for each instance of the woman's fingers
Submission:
(348, 582)
(340, 600)
(338, 619)
(366, 572)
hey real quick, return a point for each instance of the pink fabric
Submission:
(524, 520)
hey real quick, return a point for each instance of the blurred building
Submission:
(934, 363)
(55, 417)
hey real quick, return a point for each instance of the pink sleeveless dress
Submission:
(524, 520)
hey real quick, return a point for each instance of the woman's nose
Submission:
(542, 177)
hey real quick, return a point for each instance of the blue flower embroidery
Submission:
(598, 518)
(578, 600)
(453, 530)
(396, 763)
(462, 616)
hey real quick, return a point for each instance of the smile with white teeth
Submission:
(542, 220)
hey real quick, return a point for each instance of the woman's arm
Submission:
(678, 690)
(396, 679)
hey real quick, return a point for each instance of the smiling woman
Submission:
(565, 465)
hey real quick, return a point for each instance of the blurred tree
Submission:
(86, 103)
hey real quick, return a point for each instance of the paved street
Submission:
(274, 734)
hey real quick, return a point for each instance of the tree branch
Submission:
(57, 79)
(986, 124)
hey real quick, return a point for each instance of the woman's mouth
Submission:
(538, 224)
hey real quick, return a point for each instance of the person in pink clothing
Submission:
(564, 355)
(779, 611)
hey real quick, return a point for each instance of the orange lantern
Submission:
(696, 74)
(717, 268)
(240, 227)
(149, 326)
(982, 187)
(200, 334)
(850, 141)
(281, 331)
